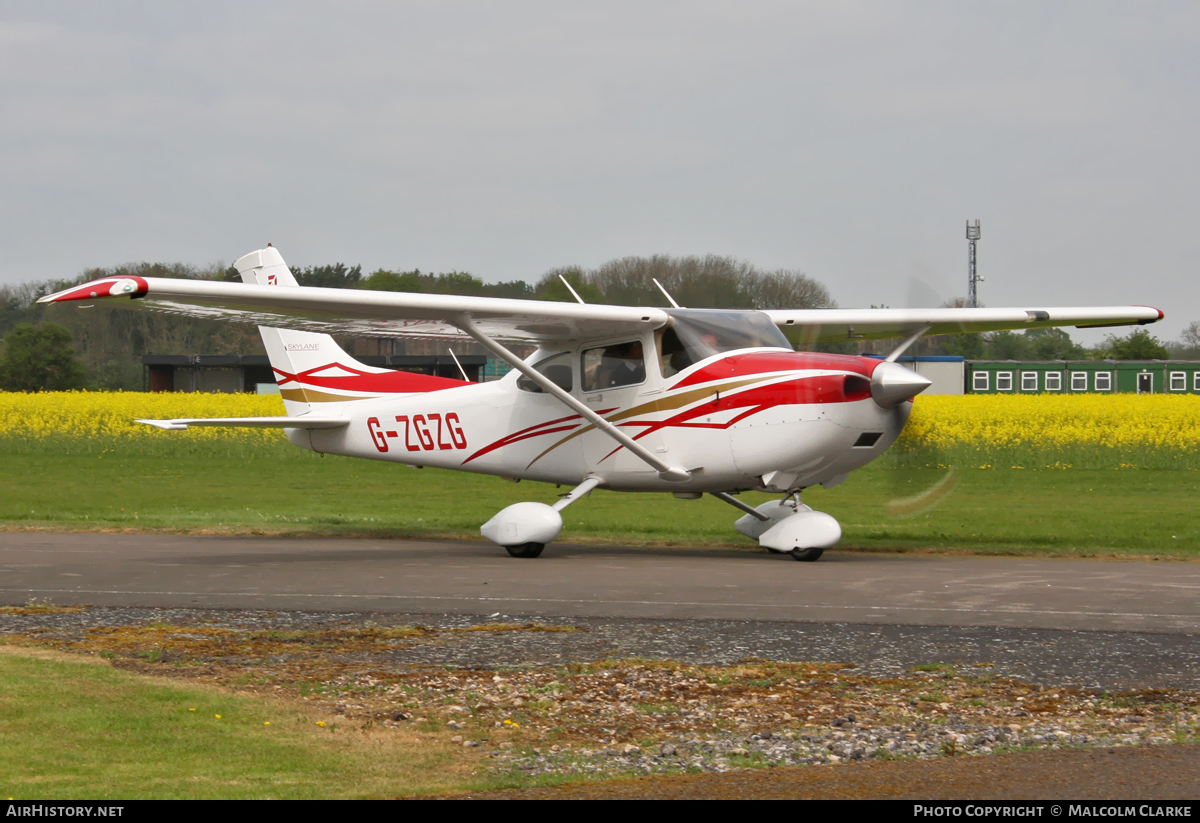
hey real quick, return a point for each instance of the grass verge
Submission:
(1133, 512)
(77, 728)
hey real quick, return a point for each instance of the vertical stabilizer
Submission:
(312, 369)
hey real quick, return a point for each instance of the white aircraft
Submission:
(685, 401)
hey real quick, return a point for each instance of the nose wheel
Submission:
(788, 526)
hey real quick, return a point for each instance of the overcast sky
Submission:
(848, 140)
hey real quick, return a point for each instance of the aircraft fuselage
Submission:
(744, 419)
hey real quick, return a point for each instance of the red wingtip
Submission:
(131, 286)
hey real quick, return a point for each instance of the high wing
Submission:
(357, 312)
(362, 313)
(860, 324)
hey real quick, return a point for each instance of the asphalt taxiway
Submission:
(411, 576)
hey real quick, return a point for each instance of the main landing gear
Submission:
(808, 555)
(524, 529)
(788, 526)
(784, 526)
(525, 549)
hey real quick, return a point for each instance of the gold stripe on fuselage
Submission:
(314, 396)
(667, 403)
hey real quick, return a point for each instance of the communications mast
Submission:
(972, 277)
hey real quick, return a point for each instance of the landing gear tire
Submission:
(527, 549)
(807, 555)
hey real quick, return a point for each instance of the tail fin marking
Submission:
(313, 368)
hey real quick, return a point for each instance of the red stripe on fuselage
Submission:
(532, 431)
(741, 365)
(822, 388)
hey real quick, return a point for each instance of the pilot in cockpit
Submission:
(630, 365)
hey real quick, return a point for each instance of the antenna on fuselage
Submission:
(571, 290)
(666, 294)
(461, 370)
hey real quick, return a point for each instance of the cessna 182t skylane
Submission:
(676, 400)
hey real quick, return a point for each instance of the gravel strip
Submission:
(1075, 659)
(610, 697)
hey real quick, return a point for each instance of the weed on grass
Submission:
(35, 605)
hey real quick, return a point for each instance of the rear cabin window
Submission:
(556, 367)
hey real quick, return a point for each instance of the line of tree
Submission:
(106, 343)
(1054, 344)
(708, 282)
(109, 342)
(1187, 347)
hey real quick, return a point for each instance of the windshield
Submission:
(695, 334)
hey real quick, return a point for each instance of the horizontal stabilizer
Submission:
(181, 423)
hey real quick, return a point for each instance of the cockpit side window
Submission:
(556, 367)
(606, 367)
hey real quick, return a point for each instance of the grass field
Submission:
(1148, 512)
(77, 728)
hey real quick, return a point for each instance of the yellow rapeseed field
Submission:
(1158, 429)
(108, 417)
(1122, 421)
(1056, 431)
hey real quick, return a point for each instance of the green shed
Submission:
(1080, 376)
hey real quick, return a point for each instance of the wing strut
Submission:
(738, 504)
(665, 470)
